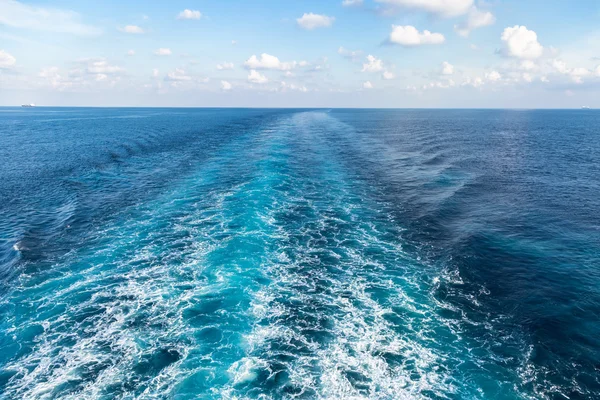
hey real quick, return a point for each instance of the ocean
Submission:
(307, 254)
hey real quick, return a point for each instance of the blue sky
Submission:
(338, 53)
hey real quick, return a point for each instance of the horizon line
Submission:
(583, 108)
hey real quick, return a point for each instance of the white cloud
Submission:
(350, 54)
(598, 70)
(18, 15)
(285, 86)
(267, 61)
(522, 43)
(134, 29)
(100, 66)
(447, 68)
(131, 53)
(189, 14)
(350, 3)
(256, 77)
(6, 60)
(527, 77)
(178, 75)
(373, 64)
(528, 65)
(544, 79)
(475, 82)
(225, 66)
(86, 72)
(410, 36)
(576, 74)
(312, 21)
(560, 66)
(367, 85)
(387, 75)
(439, 85)
(54, 78)
(476, 19)
(444, 8)
(226, 85)
(580, 72)
(163, 52)
(233, 42)
(493, 76)
(155, 73)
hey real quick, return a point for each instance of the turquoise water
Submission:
(333, 254)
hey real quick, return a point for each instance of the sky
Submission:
(301, 53)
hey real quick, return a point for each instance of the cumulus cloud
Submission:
(373, 64)
(444, 8)
(560, 66)
(312, 21)
(226, 85)
(53, 77)
(292, 86)
(19, 15)
(256, 77)
(189, 14)
(474, 82)
(528, 65)
(409, 36)
(225, 66)
(134, 29)
(353, 55)
(178, 75)
(367, 85)
(6, 60)
(131, 53)
(351, 3)
(476, 19)
(521, 42)
(493, 76)
(577, 74)
(387, 75)
(267, 61)
(163, 52)
(86, 72)
(447, 68)
(439, 85)
(99, 66)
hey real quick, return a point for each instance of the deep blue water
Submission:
(332, 254)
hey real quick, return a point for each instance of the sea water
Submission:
(307, 254)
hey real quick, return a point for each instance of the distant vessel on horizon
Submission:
(585, 107)
(28, 105)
